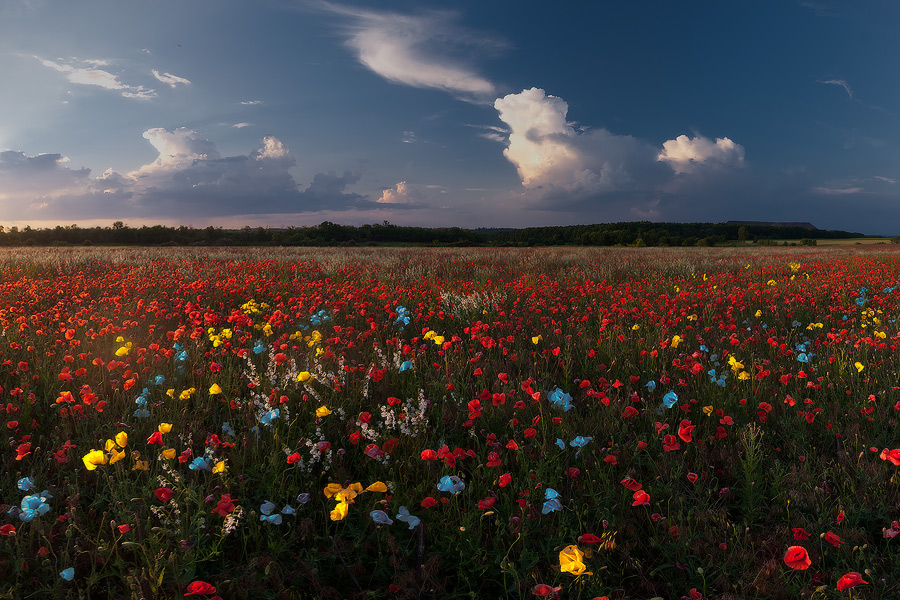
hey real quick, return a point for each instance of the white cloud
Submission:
(416, 50)
(687, 155)
(837, 191)
(169, 79)
(26, 178)
(241, 125)
(840, 83)
(551, 156)
(251, 102)
(399, 194)
(91, 75)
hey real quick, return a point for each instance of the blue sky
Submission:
(280, 112)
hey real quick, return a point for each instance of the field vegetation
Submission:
(450, 423)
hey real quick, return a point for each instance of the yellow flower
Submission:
(304, 376)
(94, 459)
(219, 467)
(771, 282)
(377, 487)
(122, 439)
(109, 446)
(635, 327)
(707, 410)
(141, 465)
(186, 394)
(744, 375)
(123, 351)
(120, 339)
(214, 389)
(169, 453)
(430, 335)
(322, 411)
(343, 494)
(438, 340)
(676, 339)
(859, 366)
(340, 511)
(536, 339)
(170, 392)
(758, 314)
(116, 456)
(571, 560)
(267, 329)
(165, 427)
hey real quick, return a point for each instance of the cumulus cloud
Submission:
(169, 79)
(86, 72)
(551, 156)
(188, 179)
(399, 194)
(419, 51)
(687, 155)
(241, 125)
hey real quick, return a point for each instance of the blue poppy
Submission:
(651, 385)
(670, 399)
(407, 518)
(259, 347)
(451, 484)
(33, 506)
(26, 483)
(159, 380)
(406, 365)
(288, 510)
(560, 399)
(267, 418)
(561, 444)
(381, 517)
(226, 428)
(580, 441)
(273, 519)
(200, 464)
(303, 498)
(266, 508)
(67, 574)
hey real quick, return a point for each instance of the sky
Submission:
(464, 113)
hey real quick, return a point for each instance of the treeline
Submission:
(643, 233)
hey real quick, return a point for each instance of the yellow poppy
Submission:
(165, 427)
(304, 376)
(377, 487)
(169, 453)
(340, 511)
(94, 459)
(214, 389)
(322, 411)
(571, 560)
(122, 439)
(219, 467)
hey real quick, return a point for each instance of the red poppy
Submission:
(684, 430)
(849, 580)
(486, 503)
(832, 538)
(800, 533)
(428, 502)
(670, 443)
(200, 588)
(631, 484)
(641, 498)
(693, 477)
(8, 530)
(504, 480)
(589, 538)
(156, 438)
(797, 558)
(164, 494)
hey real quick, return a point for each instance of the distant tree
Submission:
(742, 234)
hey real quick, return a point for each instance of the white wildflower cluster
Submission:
(409, 419)
(232, 521)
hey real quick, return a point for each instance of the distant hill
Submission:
(809, 226)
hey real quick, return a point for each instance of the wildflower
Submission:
(340, 511)
(849, 580)
(832, 538)
(8, 530)
(452, 484)
(304, 376)
(552, 503)
(67, 574)
(200, 588)
(215, 390)
(380, 517)
(670, 399)
(156, 438)
(641, 498)
(797, 558)
(163, 494)
(25, 484)
(580, 441)
(219, 467)
(200, 464)
(94, 459)
(267, 509)
(322, 411)
(571, 560)
(407, 518)
(561, 399)
(33, 506)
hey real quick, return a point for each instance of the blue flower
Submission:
(580, 441)
(550, 494)
(67, 574)
(651, 385)
(406, 366)
(259, 347)
(670, 399)
(142, 413)
(303, 498)
(26, 483)
(703, 348)
(226, 428)
(452, 484)
(33, 506)
(381, 517)
(802, 357)
(288, 510)
(200, 464)
(561, 444)
(551, 506)
(560, 399)
(267, 418)
(181, 356)
(273, 519)
(407, 518)
(159, 380)
(266, 508)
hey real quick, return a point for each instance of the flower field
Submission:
(450, 423)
